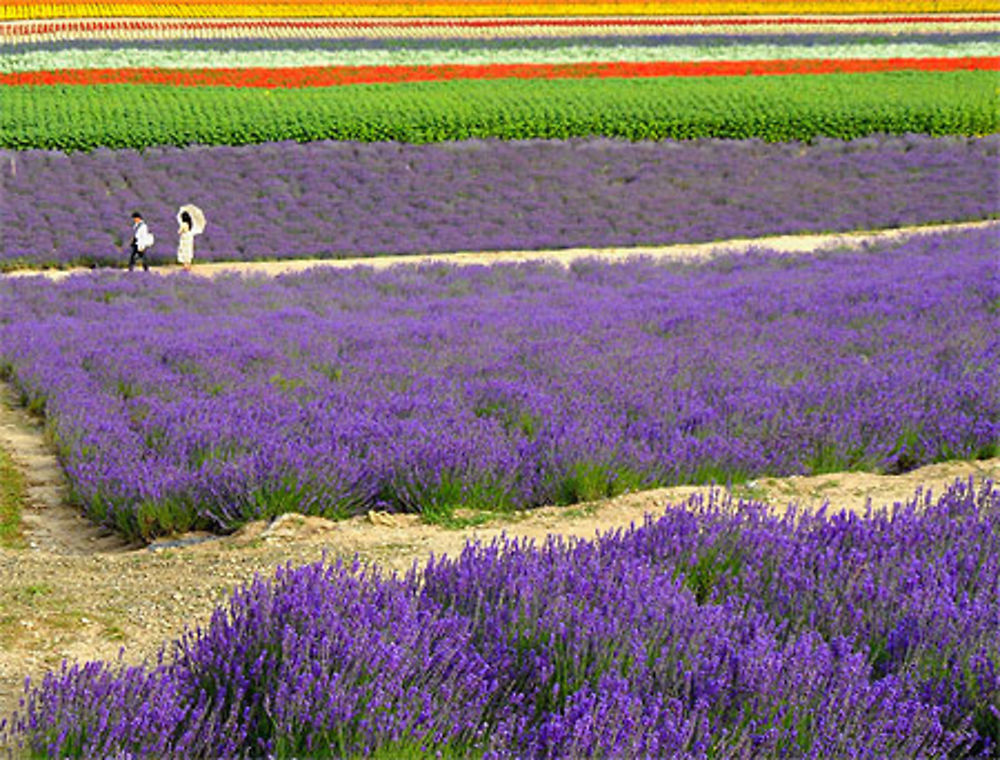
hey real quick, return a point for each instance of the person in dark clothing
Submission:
(142, 239)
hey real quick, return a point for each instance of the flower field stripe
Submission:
(723, 621)
(423, 388)
(328, 76)
(478, 54)
(21, 9)
(775, 108)
(493, 29)
(599, 48)
(135, 28)
(539, 195)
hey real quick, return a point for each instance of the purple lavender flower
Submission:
(719, 629)
(336, 200)
(182, 402)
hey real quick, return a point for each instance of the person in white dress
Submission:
(185, 245)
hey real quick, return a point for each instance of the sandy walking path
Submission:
(790, 244)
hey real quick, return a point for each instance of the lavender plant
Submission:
(718, 630)
(334, 200)
(182, 402)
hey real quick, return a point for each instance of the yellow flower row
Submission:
(20, 9)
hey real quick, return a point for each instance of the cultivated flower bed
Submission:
(519, 77)
(235, 29)
(29, 9)
(255, 53)
(776, 101)
(180, 403)
(334, 200)
(718, 630)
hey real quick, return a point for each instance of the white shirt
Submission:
(140, 232)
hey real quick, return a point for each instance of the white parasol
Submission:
(197, 217)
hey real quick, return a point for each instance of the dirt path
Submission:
(50, 524)
(791, 244)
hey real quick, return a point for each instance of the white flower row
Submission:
(165, 29)
(179, 58)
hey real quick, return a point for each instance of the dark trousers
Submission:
(137, 254)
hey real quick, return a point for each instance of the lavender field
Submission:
(180, 403)
(336, 200)
(718, 630)
(510, 586)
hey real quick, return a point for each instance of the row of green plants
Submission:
(773, 108)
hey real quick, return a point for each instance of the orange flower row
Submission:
(345, 75)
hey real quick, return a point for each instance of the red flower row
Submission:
(325, 76)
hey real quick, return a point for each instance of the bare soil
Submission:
(78, 593)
